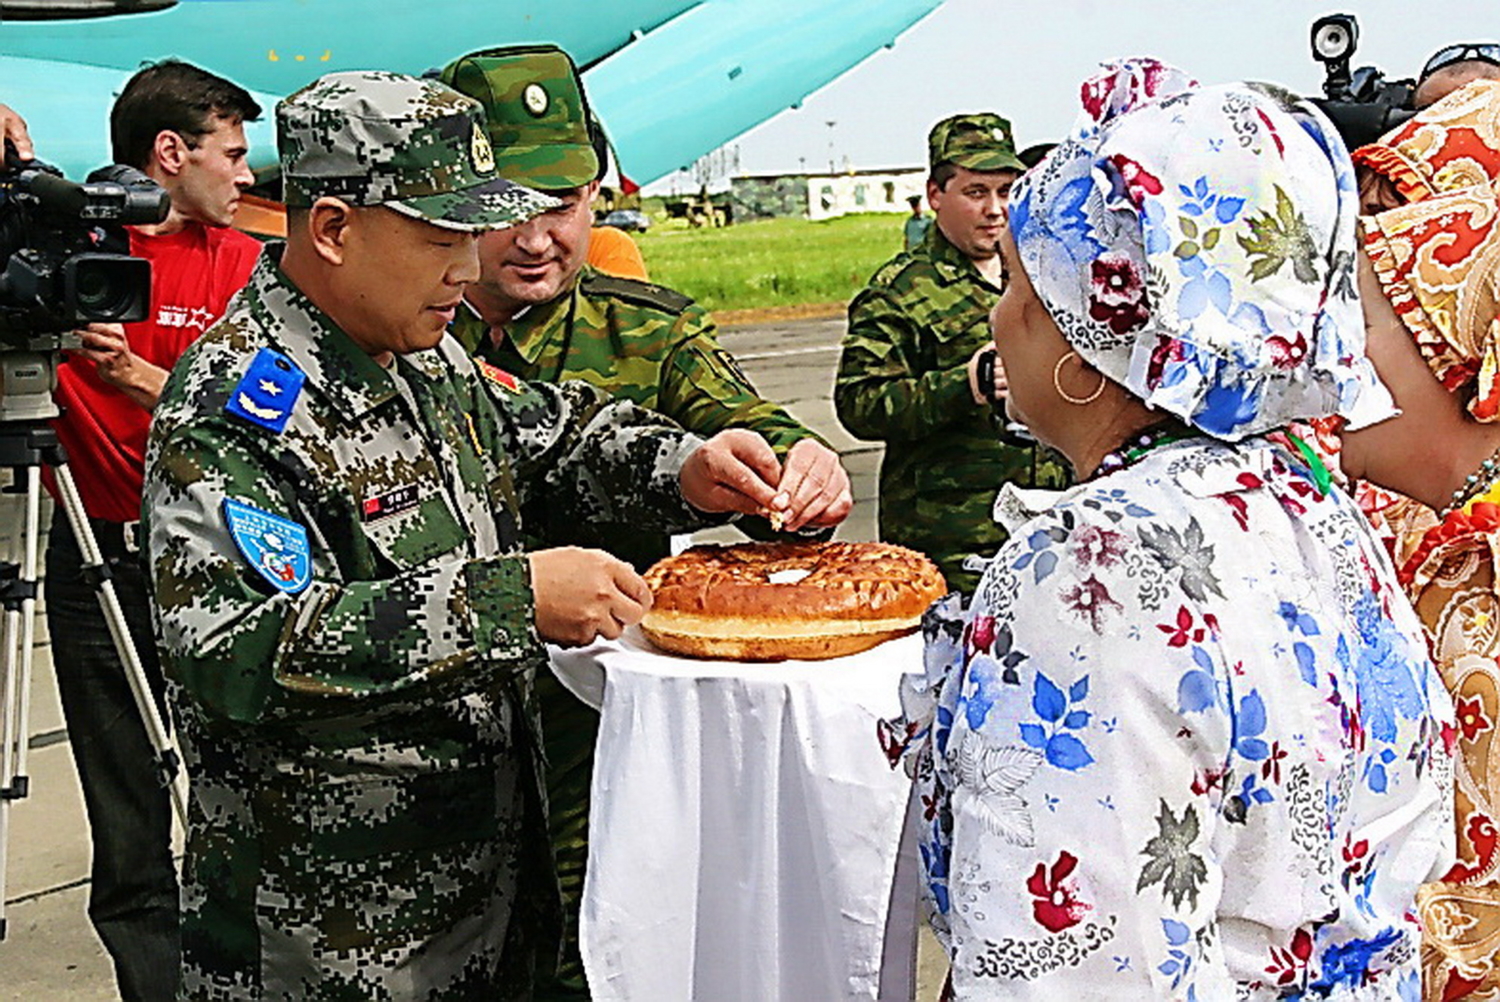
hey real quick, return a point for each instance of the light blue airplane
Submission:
(671, 79)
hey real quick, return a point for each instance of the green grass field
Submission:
(771, 262)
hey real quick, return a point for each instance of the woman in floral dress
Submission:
(1186, 743)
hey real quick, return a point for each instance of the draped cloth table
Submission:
(745, 827)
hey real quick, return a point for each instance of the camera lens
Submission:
(107, 287)
(94, 291)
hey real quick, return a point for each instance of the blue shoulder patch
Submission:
(276, 547)
(268, 391)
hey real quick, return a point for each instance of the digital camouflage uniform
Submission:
(353, 688)
(903, 380)
(636, 340)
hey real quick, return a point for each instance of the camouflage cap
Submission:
(978, 142)
(538, 116)
(415, 146)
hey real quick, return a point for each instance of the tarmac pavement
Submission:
(51, 953)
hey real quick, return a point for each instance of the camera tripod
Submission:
(26, 447)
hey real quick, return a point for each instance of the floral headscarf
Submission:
(1438, 259)
(1196, 245)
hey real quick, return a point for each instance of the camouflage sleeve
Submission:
(704, 390)
(579, 455)
(249, 652)
(883, 391)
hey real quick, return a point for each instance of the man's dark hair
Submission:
(946, 170)
(942, 173)
(178, 97)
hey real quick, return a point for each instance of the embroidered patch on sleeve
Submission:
(276, 547)
(268, 391)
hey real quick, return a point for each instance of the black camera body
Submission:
(1362, 104)
(64, 258)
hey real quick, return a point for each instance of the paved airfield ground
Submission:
(51, 952)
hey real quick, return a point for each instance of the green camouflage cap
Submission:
(536, 110)
(415, 146)
(978, 142)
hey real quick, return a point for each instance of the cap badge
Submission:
(481, 152)
(999, 135)
(535, 98)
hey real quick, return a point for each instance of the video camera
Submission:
(63, 265)
(1362, 103)
(62, 250)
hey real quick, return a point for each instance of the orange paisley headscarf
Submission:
(1438, 257)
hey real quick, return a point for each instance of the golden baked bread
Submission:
(773, 601)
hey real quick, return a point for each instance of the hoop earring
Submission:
(1058, 386)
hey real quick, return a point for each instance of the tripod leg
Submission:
(29, 568)
(8, 741)
(167, 760)
(20, 640)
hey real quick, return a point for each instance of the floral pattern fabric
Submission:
(1438, 258)
(1196, 245)
(1448, 566)
(1438, 262)
(1186, 743)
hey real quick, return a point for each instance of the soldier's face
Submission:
(400, 281)
(213, 174)
(970, 210)
(535, 261)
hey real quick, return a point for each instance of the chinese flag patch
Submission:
(498, 376)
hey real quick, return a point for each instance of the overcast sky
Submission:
(1025, 60)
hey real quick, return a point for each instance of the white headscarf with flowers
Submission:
(1197, 245)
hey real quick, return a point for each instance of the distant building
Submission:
(824, 196)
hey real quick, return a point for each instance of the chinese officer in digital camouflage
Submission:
(333, 505)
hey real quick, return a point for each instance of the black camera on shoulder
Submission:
(1362, 103)
(64, 258)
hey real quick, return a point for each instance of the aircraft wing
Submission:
(671, 79)
(277, 46)
(724, 66)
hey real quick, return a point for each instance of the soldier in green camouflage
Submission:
(334, 506)
(538, 310)
(917, 345)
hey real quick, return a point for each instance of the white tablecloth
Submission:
(744, 826)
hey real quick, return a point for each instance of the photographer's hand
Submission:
(13, 127)
(106, 346)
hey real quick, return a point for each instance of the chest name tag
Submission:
(389, 503)
(276, 547)
(268, 391)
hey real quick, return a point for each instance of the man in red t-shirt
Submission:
(185, 128)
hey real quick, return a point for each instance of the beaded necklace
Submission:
(1134, 450)
(1474, 483)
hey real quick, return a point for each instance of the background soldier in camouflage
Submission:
(539, 311)
(909, 368)
(334, 504)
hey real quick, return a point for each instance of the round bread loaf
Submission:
(773, 601)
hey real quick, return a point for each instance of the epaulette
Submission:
(639, 293)
(267, 392)
(886, 273)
